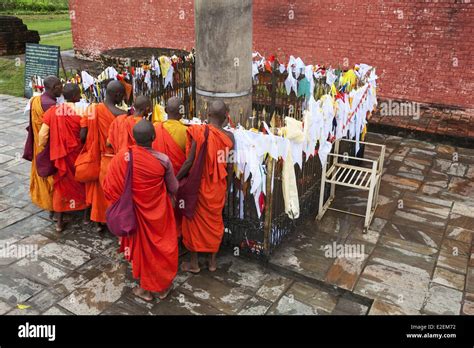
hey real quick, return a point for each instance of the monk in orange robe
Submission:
(171, 140)
(41, 189)
(94, 132)
(171, 134)
(153, 249)
(61, 124)
(204, 231)
(121, 130)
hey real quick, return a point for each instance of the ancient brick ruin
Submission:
(14, 35)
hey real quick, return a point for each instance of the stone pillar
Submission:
(223, 30)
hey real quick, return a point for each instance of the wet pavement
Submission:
(416, 258)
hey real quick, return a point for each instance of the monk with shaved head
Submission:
(153, 249)
(171, 139)
(41, 189)
(121, 129)
(202, 233)
(97, 155)
(61, 125)
(171, 134)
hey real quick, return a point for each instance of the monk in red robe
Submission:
(94, 132)
(153, 249)
(61, 124)
(121, 130)
(171, 140)
(204, 231)
(41, 189)
(171, 134)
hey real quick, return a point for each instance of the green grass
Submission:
(11, 78)
(47, 23)
(32, 6)
(63, 40)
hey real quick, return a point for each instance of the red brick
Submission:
(362, 31)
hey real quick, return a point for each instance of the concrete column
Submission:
(223, 30)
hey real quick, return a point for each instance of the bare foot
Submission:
(59, 227)
(186, 267)
(164, 294)
(52, 216)
(212, 265)
(143, 294)
(99, 228)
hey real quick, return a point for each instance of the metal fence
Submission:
(245, 231)
(183, 78)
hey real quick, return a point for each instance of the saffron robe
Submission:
(153, 249)
(41, 189)
(204, 231)
(166, 144)
(177, 130)
(121, 132)
(65, 145)
(98, 119)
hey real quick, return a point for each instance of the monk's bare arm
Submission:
(83, 135)
(188, 163)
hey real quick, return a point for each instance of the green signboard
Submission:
(41, 61)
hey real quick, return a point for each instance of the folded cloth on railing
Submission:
(294, 133)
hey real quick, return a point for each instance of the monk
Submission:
(171, 140)
(204, 231)
(94, 132)
(171, 134)
(121, 129)
(61, 124)
(153, 249)
(41, 189)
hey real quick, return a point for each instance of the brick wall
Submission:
(422, 49)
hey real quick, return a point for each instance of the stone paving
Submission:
(417, 257)
(426, 121)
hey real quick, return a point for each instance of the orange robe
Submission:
(41, 189)
(203, 233)
(153, 250)
(164, 143)
(121, 132)
(65, 146)
(98, 120)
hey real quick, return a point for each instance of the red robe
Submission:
(203, 233)
(65, 146)
(153, 250)
(164, 143)
(98, 120)
(121, 132)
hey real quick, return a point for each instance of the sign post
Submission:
(42, 61)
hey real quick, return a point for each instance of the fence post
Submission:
(267, 226)
(273, 93)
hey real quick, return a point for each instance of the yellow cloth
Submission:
(293, 132)
(165, 64)
(41, 189)
(43, 135)
(350, 78)
(177, 131)
(158, 113)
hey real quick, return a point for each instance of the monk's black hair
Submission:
(71, 90)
